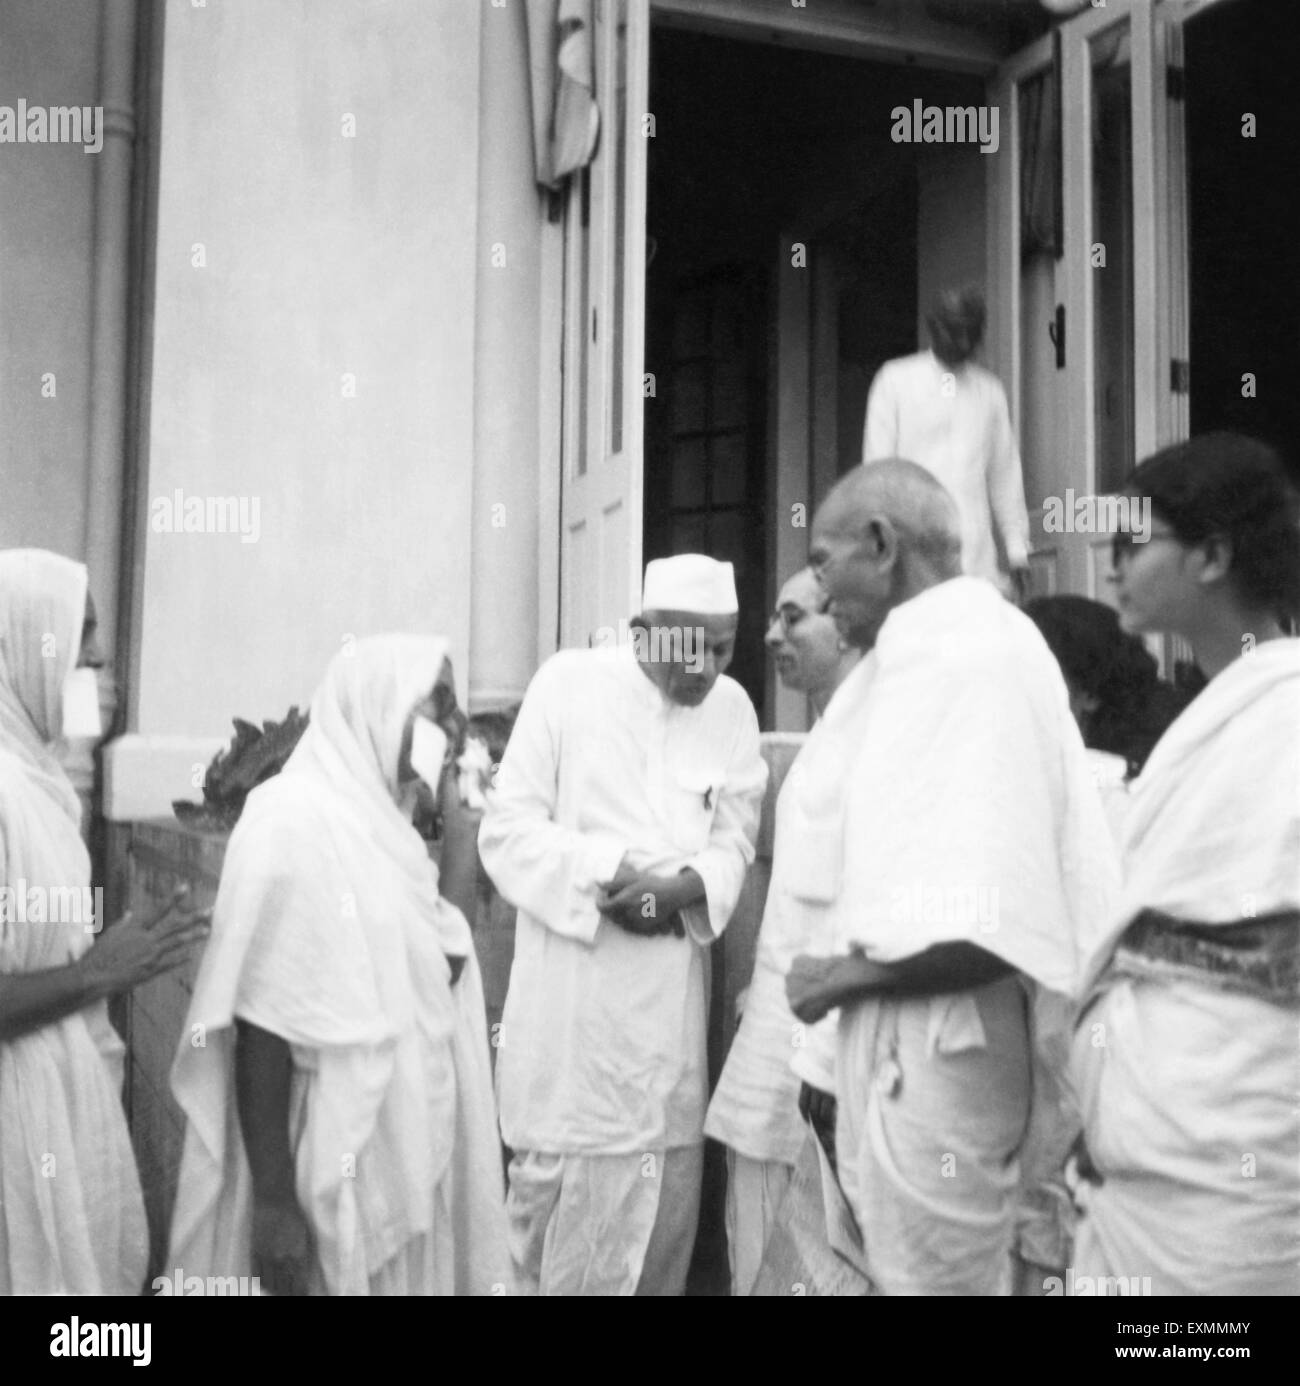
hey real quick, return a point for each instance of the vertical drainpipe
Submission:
(504, 523)
(109, 330)
(107, 374)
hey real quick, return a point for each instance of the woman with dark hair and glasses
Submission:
(1186, 1051)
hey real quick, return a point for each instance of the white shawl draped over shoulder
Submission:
(330, 932)
(1200, 843)
(970, 815)
(971, 805)
(71, 1213)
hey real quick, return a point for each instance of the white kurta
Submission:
(602, 1046)
(966, 812)
(954, 422)
(71, 1213)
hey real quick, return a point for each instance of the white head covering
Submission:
(358, 717)
(329, 930)
(60, 1090)
(42, 610)
(691, 582)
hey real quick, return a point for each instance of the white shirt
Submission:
(954, 422)
(602, 1046)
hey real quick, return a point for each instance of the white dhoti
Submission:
(604, 1224)
(933, 1104)
(755, 1189)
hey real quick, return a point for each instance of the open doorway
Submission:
(1244, 266)
(792, 245)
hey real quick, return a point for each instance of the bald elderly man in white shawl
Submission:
(71, 1212)
(334, 1068)
(625, 815)
(963, 857)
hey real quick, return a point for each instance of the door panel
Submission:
(601, 492)
(1028, 241)
(1088, 406)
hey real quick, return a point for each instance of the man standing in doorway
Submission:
(624, 818)
(940, 409)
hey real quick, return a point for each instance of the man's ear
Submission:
(882, 540)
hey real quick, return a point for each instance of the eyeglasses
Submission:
(1121, 545)
(789, 616)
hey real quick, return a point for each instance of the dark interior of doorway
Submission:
(753, 140)
(1241, 59)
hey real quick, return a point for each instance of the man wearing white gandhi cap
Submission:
(624, 818)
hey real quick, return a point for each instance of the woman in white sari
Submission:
(71, 1213)
(1186, 1053)
(334, 1069)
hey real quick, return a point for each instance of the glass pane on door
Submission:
(1111, 258)
(1041, 237)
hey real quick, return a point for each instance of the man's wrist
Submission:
(855, 978)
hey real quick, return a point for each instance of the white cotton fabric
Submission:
(691, 582)
(965, 811)
(1109, 774)
(928, 1137)
(605, 1224)
(330, 932)
(71, 1213)
(755, 1189)
(971, 775)
(603, 1036)
(755, 1107)
(1191, 1094)
(954, 422)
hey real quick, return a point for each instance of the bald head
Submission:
(909, 497)
(887, 531)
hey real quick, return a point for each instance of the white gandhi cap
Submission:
(691, 582)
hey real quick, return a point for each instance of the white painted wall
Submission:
(326, 257)
(49, 56)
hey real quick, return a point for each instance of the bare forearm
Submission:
(31, 1000)
(263, 1078)
(458, 869)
